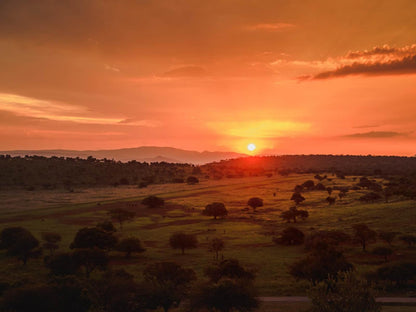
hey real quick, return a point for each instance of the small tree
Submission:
(216, 245)
(408, 239)
(121, 215)
(297, 198)
(399, 273)
(106, 226)
(331, 200)
(387, 237)
(329, 190)
(290, 236)
(93, 238)
(20, 243)
(229, 269)
(343, 293)
(191, 180)
(91, 259)
(293, 213)
(255, 202)
(215, 210)
(363, 234)
(309, 184)
(169, 284)
(51, 241)
(183, 241)
(153, 202)
(130, 245)
(383, 252)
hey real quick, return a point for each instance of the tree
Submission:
(255, 202)
(370, 197)
(230, 269)
(191, 180)
(319, 265)
(309, 184)
(387, 237)
(62, 264)
(382, 251)
(20, 243)
(215, 210)
(121, 215)
(325, 239)
(320, 187)
(290, 236)
(183, 241)
(399, 273)
(153, 202)
(343, 293)
(293, 213)
(363, 234)
(331, 200)
(51, 241)
(169, 284)
(297, 198)
(329, 190)
(106, 226)
(225, 296)
(408, 239)
(91, 259)
(93, 238)
(130, 245)
(216, 245)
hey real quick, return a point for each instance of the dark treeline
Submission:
(286, 164)
(37, 172)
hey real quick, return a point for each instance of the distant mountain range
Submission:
(141, 154)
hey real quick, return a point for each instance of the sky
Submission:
(291, 77)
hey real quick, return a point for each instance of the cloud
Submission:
(376, 135)
(35, 108)
(406, 65)
(186, 71)
(270, 27)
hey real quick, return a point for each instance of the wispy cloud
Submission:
(35, 108)
(270, 27)
(185, 71)
(376, 135)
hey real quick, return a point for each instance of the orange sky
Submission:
(293, 77)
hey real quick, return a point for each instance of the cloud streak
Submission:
(376, 135)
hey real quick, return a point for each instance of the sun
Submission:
(251, 147)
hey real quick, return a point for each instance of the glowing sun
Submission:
(251, 147)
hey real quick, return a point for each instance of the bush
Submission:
(153, 202)
(290, 236)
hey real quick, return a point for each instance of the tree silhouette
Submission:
(215, 210)
(153, 202)
(216, 245)
(130, 245)
(297, 198)
(121, 215)
(363, 234)
(183, 241)
(255, 202)
(20, 243)
(51, 241)
(290, 236)
(93, 238)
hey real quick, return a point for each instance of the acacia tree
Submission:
(183, 241)
(255, 202)
(130, 245)
(51, 241)
(290, 236)
(215, 210)
(93, 238)
(293, 213)
(169, 284)
(121, 215)
(20, 243)
(297, 198)
(153, 202)
(363, 234)
(216, 245)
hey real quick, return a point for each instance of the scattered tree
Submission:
(51, 241)
(153, 202)
(343, 293)
(93, 238)
(215, 210)
(62, 264)
(121, 215)
(255, 202)
(191, 180)
(329, 190)
(130, 245)
(216, 245)
(183, 241)
(309, 185)
(290, 236)
(331, 200)
(363, 234)
(297, 198)
(293, 213)
(20, 243)
(370, 197)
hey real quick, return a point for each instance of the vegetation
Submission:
(183, 241)
(215, 210)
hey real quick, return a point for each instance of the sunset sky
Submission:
(292, 77)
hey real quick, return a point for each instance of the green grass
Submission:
(246, 233)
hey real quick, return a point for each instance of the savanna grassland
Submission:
(247, 233)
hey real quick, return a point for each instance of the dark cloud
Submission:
(384, 50)
(186, 71)
(406, 65)
(376, 135)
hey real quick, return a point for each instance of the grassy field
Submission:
(247, 234)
